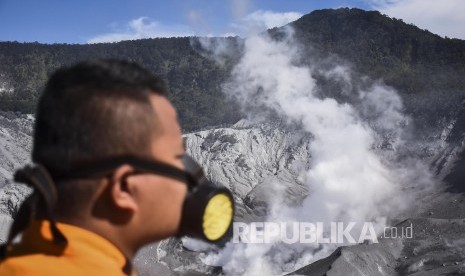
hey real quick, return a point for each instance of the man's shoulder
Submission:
(85, 254)
(33, 264)
(43, 264)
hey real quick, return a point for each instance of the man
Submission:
(93, 223)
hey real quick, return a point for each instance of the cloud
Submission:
(194, 17)
(142, 27)
(444, 18)
(198, 22)
(261, 20)
(240, 8)
(244, 25)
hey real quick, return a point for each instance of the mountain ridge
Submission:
(420, 65)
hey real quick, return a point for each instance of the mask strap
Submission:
(106, 166)
(40, 180)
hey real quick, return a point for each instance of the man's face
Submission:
(160, 198)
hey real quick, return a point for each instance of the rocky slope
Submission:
(437, 220)
(437, 248)
(15, 142)
(15, 148)
(251, 159)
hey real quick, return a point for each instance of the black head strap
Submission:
(194, 169)
(103, 167)
(40, 180)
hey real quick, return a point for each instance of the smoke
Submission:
(221, 49)
(356, 173)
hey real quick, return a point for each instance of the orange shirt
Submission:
(86, 254)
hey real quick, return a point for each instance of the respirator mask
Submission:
(207, 211)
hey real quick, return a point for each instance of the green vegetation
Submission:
(193, 81)
(424, 67)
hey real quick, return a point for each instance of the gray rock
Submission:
(260, 162)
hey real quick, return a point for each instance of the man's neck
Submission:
(105, 230)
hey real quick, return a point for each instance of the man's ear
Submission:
(121, 192)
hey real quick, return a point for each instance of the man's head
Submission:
(101, 109)
(94, 110)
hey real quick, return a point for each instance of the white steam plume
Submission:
(351, 179)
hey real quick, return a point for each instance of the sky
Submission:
(94, 21)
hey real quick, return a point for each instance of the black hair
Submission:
(95, 110)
